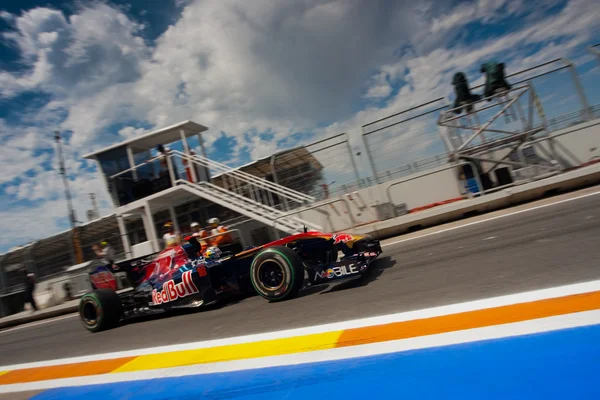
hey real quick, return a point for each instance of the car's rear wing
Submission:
(134, 267)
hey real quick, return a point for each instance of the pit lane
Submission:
(541, 248)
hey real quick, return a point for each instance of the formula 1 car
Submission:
(179, 277)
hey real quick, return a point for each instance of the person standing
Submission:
(108, 255)
(170, 238)
(29, 288)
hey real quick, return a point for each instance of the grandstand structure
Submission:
(296, 169)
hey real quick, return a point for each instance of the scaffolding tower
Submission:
(485, 140)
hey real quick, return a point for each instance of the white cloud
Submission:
(129, 131)
(49, 214)
(85, 61)
(253, 66)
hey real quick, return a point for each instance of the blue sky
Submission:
(262, 75)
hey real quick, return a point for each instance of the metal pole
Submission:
(62, 172)
(132, 162)
(171, 171)
(369, 156)
(186, 149)
(489, 122)
(148, 220)
(74, 242)
(352, 160)
(206, 173)
(579, 89)
(173, 216)
(124, 236)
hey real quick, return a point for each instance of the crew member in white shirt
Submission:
(170, 238)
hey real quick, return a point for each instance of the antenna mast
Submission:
(62, 172)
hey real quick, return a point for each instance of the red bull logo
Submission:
(342, 238)
(171, 291)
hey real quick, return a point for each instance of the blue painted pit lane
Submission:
(561, 364)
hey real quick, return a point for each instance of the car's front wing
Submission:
(349, 267)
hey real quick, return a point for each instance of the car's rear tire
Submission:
(100, 310)
(277, 273)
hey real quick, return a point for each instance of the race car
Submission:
(181, 277)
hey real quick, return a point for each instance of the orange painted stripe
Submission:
(350, 337)
(470, 320)
(63, 371)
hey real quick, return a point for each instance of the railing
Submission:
(319, 205)
(250, 207)
(239, 179)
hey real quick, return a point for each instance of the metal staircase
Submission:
(241, 192)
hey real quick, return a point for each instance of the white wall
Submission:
(576, 145)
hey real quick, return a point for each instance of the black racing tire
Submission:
(277, 273)
(100, 310)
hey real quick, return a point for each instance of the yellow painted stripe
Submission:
(266, 348)
(370, 334)
(321, 341)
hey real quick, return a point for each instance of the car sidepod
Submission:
(188, 285)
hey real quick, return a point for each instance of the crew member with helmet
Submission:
(170, 238)
(217, 229)
(199, 234)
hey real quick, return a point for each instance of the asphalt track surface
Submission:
(541, 248)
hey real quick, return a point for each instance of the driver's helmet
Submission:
(212, 253)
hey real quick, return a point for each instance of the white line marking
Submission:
(36, 323)
(489, 238)
(524, 297)
(444, 339)
(491, 219)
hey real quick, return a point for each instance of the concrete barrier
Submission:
(28, 317)
(575, 179)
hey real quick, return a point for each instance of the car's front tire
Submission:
(277, 273)
(100, 310)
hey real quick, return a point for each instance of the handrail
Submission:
(260, 184)
(318, 206)
(244, 175)
(256, 204)
(230, 193)
(402, 112)
(136, 166)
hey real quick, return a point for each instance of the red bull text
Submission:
(172, 291)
